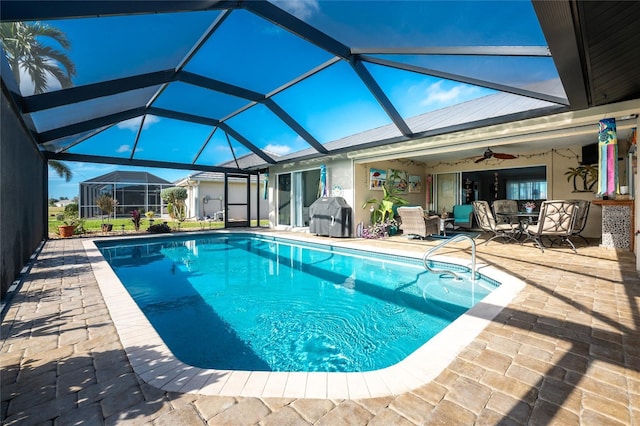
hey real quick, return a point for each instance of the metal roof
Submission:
(226, 85)
(128, 177)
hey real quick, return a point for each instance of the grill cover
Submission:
(330, 216)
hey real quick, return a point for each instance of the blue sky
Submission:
(250, 52)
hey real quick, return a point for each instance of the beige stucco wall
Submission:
(364, 193)
(353, 178)
(557, 161)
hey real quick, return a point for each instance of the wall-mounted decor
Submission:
(377, 178)
(608, 158)
(398, 180)
(415, 184)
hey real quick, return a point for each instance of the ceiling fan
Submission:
(490, 154)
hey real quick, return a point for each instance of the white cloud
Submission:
(278, 149)
(435, 94)
(303, 9)
(123, 148)
(133, 124)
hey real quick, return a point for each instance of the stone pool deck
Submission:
(566, 351)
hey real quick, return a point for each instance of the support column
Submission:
(618, 223)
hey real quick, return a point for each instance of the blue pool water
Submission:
(246, 302)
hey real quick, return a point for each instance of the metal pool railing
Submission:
(474, 273)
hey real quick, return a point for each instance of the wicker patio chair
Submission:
(414, 222)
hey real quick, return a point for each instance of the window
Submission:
(518, 183)
(527, 189)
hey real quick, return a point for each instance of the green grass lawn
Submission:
(94, 226)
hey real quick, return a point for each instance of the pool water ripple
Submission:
(249, 303)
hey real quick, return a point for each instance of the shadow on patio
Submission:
(565, 351)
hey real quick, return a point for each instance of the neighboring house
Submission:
(206, 197)
(63, 203)
(133, 190)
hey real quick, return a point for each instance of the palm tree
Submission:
(24, 51)
(61, 169)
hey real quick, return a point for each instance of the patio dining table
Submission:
(524, 220)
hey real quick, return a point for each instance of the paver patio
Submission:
(566, 351)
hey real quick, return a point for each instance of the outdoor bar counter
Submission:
(617, 223)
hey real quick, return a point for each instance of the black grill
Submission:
(330, 216)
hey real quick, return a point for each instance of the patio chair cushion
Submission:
(463, 215)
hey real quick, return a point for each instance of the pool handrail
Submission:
(474, 273)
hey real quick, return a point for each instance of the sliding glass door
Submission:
(296, 192)
(447, 191)
(284, 199)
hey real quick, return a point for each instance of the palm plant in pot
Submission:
(382, 220)
(106, 204)
(67, 225)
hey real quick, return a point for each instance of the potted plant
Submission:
(106, 204)
(382, 213)
(67, 225)
(529, 206)
(381, 229)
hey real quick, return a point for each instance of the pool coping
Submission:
(156, 365)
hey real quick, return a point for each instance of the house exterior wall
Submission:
(213, 192)
(353, 178)
(339, 177)
(23, 194)
(557, 161)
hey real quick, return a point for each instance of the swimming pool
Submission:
(155, 363)
(273, 304)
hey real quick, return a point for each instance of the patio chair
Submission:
(581, 219)
(502, 207)
(414, 222)
(487, 222)
(462, 216)
(555, 221)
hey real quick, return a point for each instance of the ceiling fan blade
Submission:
(502, 156)
(480, 159)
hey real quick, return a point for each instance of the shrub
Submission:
(71, 209)
(135, 218)
(159, 228)
(174, 197)
(106, 203)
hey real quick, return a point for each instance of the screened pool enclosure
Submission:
(133, 191)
